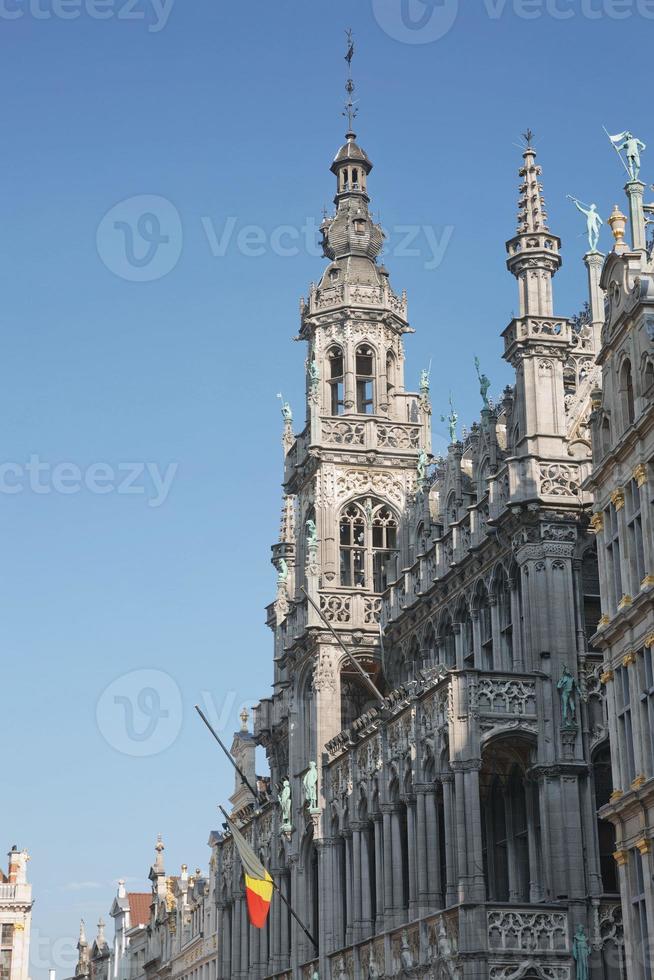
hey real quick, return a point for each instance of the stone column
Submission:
(387, 814)
(226, 945)
(451, 896)
(399, 870)
(594, 261)
(434, 883)
(516, 623)
(411, 848)
(640, 476)
(356, 881)
(422, 849)
(634, 190)
(349, 925)
(245, 944)
(476, 883)
(367, 924)
(236, 938)
(535, 886)
(379, 865)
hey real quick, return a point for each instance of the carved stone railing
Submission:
(348, 609)
(370, 434)
(525, 930)
(497, 695)
(309, 970)
(15, 893)
(349, 295)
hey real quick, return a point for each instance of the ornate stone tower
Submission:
(348, 476)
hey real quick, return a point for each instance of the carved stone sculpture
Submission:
(310, 783)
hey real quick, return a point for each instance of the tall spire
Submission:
(532, 216)
(351, 109)
(534, 255)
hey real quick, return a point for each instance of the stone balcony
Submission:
(353, 296)
(18, 894)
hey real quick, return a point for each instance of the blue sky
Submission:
(215, 117)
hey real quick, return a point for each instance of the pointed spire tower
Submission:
(158, 872)
(536, 342)
(534, 253)
(83, 956)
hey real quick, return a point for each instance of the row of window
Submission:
(626, 566)
(634, 705)
(627, 400)
(365, 379)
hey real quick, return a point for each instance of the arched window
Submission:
(485, 627)
(391, 379)
(505, 616)
(336, 380)
(448, 641)
(627, 394)
(352, 535)
(606, 435)
(368, 545)
(431, 650)
(384, 546)
(365, 370)
(467, 638)
(648, 376)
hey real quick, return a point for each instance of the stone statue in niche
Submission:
(285, 803)
(310, 783)
(568, 688)
(581, 953)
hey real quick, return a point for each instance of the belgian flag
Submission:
(258, 883)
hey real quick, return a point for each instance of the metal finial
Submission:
(350, 106)
(529, 138)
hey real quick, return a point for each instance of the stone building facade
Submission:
(15, 917)
(456, 833)
(622, 483)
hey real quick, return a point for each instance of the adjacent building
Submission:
(622, 483)
(15, 918)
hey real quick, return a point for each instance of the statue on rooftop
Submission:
(593, 221)
(312, 535)
(452, 420)
(287, 412)
(422, 465)
(484, 384)
(568, 687)
(633, 147)
(282, 572)
(425, 380)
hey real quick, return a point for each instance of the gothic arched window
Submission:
(485, 627)
(384, 546)
(352, 537)
(365, 370)
(368, 543)
(503, 593)
(336, 380)
(627, 394)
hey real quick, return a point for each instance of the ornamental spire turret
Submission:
(534, 255)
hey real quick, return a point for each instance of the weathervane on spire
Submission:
(529, 138)
(350, 107)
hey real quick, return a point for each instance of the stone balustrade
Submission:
(370, 434)
(354, 295)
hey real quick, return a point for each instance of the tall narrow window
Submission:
(646, 684)
(636, 553)
(485, 630)
(365, 384)
(639, 906)
(353, 547)
(623, 705)
(627, 394)
(336, 380)
(467, 637)
(391, 381)
(612, 531)
(503, 590)
(591, 590)
(384, 546)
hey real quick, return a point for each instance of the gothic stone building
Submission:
(456, 834)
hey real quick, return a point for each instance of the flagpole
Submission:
(246, 782)
(281, 895)
(355, 663)
(616, 150)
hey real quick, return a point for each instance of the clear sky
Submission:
(142, 351)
